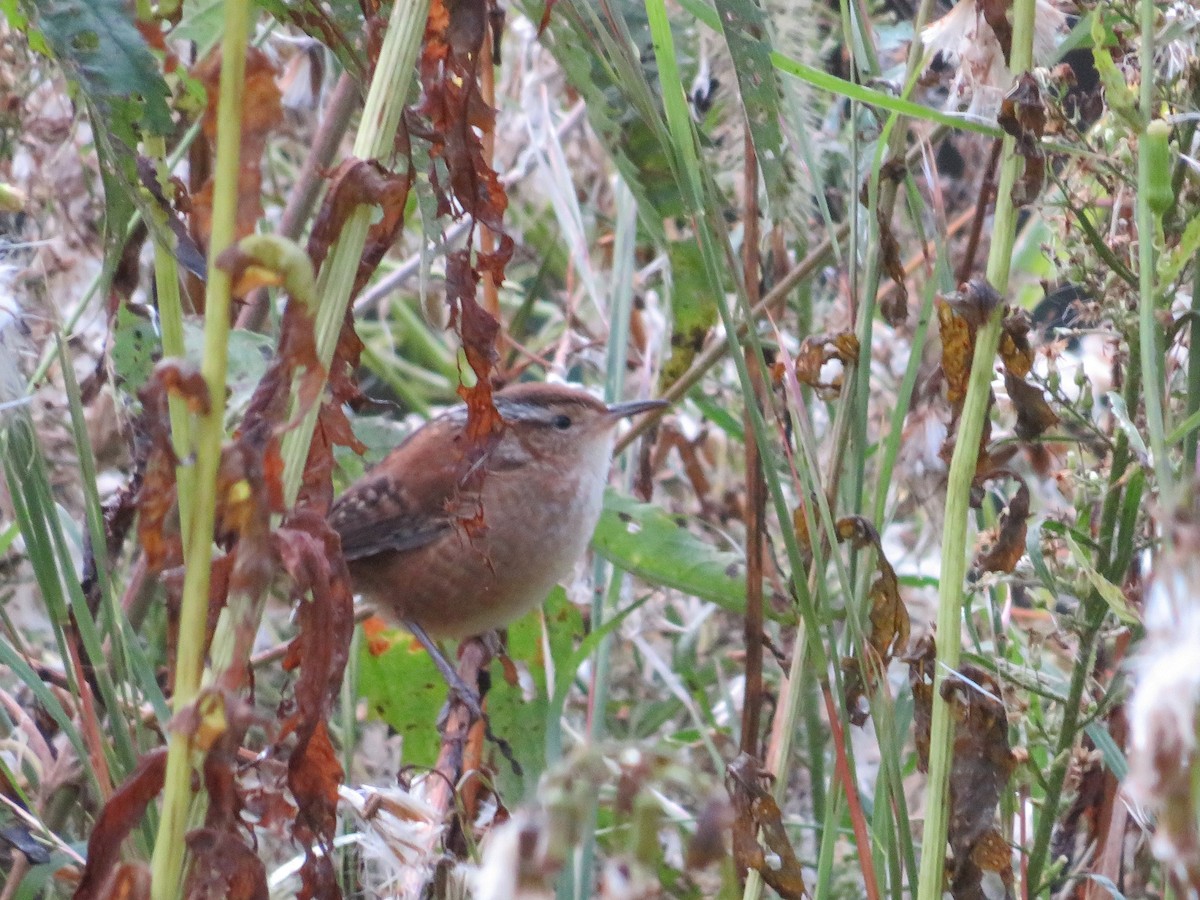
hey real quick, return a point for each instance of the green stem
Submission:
(1193, 374)
(170, 314)
(1093, 616)
(375, 138)
(168, 859)
(958, 491)
(1150, 333)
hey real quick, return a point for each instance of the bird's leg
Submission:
(468, 695)
(461, 691)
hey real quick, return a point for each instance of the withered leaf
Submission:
(888, 619)
(224, 868)
(922, 662)
(755, 811)
(895, 307)
(1023, 115)
(120, 814)
(817, 350)
(983, 764)
(355, 183)
(478, 329)
(1008, 544)
(1034, 415)
(309, 550)
(262, 111)
(995, 13)
(458, 119)
(1015, 349)
(958, 348)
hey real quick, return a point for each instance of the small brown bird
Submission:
(458, 546)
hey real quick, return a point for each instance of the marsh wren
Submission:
(460, 538)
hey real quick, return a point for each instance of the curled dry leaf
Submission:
(223, 864)
(457, 118)
(1023, 115)
(356, 183)
(814, 353)
(959, 317)
(895, 306)
(224, 868)
(1008, 542)
(757, 814)
(262, 112)
(120, 814)
(889, 623)
(310, 552)
(1034, 415)
(1015, 350)
(983, 763)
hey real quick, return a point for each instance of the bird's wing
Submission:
(379, 515)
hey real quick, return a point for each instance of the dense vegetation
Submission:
(894, 600)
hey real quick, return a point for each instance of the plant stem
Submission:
(376, 134)
(168, 859)
(1150, 336)
(958, 490)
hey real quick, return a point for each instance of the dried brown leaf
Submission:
(120, 814)
(1015, 349)
(1008, 545)
(1023, 115)
(888, 618)
(755, 812)
(355, 183)
(1034, 415)
(818, 350)
(262, 111)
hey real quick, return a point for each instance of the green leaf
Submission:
(1111, 594)
(746, 34)
(136, 346)
(658, 548)
(520, 720)
(693, 308)
(403, 687)
(98, 45)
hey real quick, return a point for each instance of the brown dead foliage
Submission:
(757, 817)
(311, 556)
(1023, 115)
(1015, 350)
(960, 315)
(261, 114)
(888, 620)
(306, 550)
(1007, 544)
(355, 183)
(817, 350)
(224, 861)
(120, 814)
(1034, 415)
(453, 118)
(982, 765)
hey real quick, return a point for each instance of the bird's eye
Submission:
(561, 422)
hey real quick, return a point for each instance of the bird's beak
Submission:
(633, 408)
